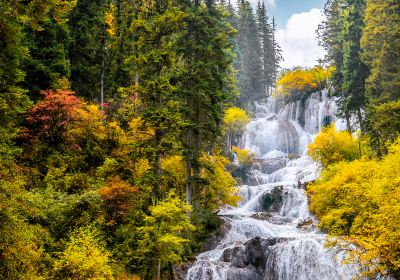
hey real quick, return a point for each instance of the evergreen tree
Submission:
(381, 52)
(340, 35)
(48, 64)
(277, 54)
(354, 71)
(270, 49)
(86, 50)
(329, 37)
(207, 83)
(158, 64)
(249, 61)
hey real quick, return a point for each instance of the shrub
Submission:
(332, 146)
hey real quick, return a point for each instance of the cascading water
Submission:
(271, 233)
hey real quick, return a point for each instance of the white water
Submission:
(288, 251)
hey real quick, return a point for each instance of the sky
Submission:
(297, 21)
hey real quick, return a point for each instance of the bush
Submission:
(297, 83)
(361, 200)
(332, 146)
(84, 258)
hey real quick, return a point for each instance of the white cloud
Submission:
(298, 39)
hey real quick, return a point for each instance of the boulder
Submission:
(248, 260)
(271, 201)
(269, 166)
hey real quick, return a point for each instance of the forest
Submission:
(120, 127)
(113, 158)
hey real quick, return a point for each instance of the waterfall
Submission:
(271, 233)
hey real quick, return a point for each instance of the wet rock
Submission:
(272, 201)
(275, 219)
(255, 252)
(240, 274)
(262, 216)
(269, 166)
(238, 257)
(180, 271)
(249, 259)
(308, 224)
(303, 185)
(216, 236)
(293, 156)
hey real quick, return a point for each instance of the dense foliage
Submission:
(360, 201)
(298, 83)
(362, 41)
(332, 146)
(258, 53)
(357, 196)
(112, 134)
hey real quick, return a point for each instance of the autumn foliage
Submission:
(50, 118)
(359, 200)
(332, 146)
(118, 197)
(300, 82)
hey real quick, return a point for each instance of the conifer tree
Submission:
(86, 53)
(329, 37)
(354, 71)
(249, 61)
(207, 84)
(277, 54)
(340, 35)
(381, 52)
(270, 52)
(156, 60)
(48, 65)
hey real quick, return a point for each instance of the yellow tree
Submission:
(235, 121)
(300, 82)
(332, 146)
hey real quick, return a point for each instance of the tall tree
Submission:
(381, 52)
(277, 54)
(249, 62)
(354, 71)
(329, 37)
(340, 35)
(157, 29)
(86, 50)
(207, 84)
(269, 48)
(48, 64)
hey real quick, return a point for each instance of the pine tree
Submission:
(353, 70)
(381, 52)
(249, 61)
(329, 33)
(265, 36)
(86, 50)
(271, 53)
(157, 61)
(340, 35)
(277, 54)
(206, 84)
(48, 65)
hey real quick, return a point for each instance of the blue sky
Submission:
(297, 21)
(284, 9)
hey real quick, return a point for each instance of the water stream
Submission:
(271, 233)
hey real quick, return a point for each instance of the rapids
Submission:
(272, 234)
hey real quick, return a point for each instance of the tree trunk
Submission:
(360, 121)
(188, 183)
(196, 167)
(158, 276)
(348, 124)
(173, 273)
